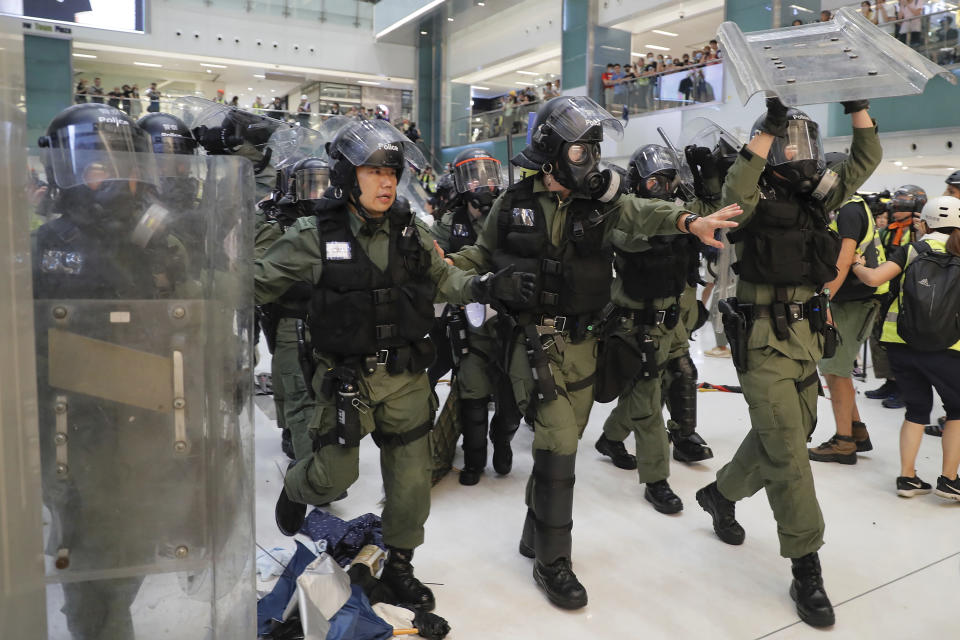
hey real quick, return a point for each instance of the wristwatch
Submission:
(690, 219)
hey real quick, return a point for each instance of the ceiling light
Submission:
(666, 33)
(898, 163)
(423, 33)
(84, 55)
(373, 84)
(609, 48)
(209, 71)
(481, 88)
(951, 169)
(481, 4)
(657, 47)
(273, 90)
(259, 76)
(410, 16)
(214, 66)
(249, 88)
(148, 64)
(449, 19)
(522, 84)
(636, 53)
(905, 168)
(799, 8)
(528, 73)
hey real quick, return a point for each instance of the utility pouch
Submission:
(348, 413)
(779, 316)
(619, 363)
(735, 327)
(305, 357)
(648, 357)
(546, 388)
(830, 340)
(817, 309)
(456, 320)
(672, 316)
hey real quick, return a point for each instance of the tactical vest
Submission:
(572, 279)
(356, 309)
(662, 271)
(871, 249)
(787, 243)
(462, 233)
(889, 332)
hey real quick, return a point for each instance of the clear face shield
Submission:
(579, 116)
(800, 145)
(95, 153)
(311, 183)
(479, 180)
(654, 159)
(238, 127)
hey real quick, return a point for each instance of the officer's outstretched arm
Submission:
(865, 155)
(294, 257)
(478, 255)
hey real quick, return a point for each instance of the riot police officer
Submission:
(373, 275)
(778, 331)
(477, 179)
(647, 342)
(558, 224)
(284, 322)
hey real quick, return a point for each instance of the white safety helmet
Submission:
(942, 212)
(303, 96)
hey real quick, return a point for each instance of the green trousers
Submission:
(294, 405)
(639, 407)
(773, 455)
(679, 345)
(474, 374)
(395, 404)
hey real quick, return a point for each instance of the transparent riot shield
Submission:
(143, 322)
(847, 58)
(683, 168)
(22, 604)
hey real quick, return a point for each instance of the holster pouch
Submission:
(735, 327)
(456, 320)
(619, 362)
(268, 317)
(648, 357)
(341, 383)
(817, 307)
(546, 388)
(830, 340)
(305, 357)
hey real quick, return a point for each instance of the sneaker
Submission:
(616, 452)
(893, 402)
(718, 352)
(839, 448)
(910, 487)
(949, 489)
(861, 437)
(887, 389)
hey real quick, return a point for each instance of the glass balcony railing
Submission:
(354, 13)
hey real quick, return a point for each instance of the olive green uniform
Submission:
(782, 402)
(639, 407)
(394, 404)
(294, 405)
(559, 423)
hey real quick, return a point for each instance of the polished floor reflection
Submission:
(891, 565)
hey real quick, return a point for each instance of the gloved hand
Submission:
(430, 625)
(607, 188)
(216, 140)
(852, 106)
(504, 286)
(776, 121)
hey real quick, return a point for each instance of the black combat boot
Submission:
(398, 575)
(473, 424)
(527, 538)
(286, 444)
(553, 479)
(662, 497)
(501, 433)
(723, 513)
(691, 448)
(289, 514)
(807, 591)
(616, 452)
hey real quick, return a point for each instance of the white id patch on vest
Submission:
(338, 251)
(522, 217)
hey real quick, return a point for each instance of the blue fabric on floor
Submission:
(356, 620)
(271, 606)
(344, 539)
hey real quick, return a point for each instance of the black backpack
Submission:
(929, 318)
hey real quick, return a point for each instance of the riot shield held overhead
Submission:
(143, 323)
(847, 58)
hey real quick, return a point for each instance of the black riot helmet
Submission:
(796, 159)
(653, 172)
(477, 177)
(909, 197)
(368, 143)
(953, 184)
(565, 142)
(310, 179)
(168, 133)
(446, 196)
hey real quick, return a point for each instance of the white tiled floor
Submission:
(891, 565)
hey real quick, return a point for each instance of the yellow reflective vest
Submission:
(869, 246)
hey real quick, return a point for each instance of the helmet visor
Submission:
(252, 128)
(906, 201)
(802, 142)
(174, 143)
(579, 117)
(295, 143)
(474, 174)
(95, 152)
(703, 132)
(377, 143)
(311, 183)
(654, 159)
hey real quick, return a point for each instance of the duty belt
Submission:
(573, 327)
(796, 311)
(651, 317)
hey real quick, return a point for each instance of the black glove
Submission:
(706, 173)
(216, 140)
(430, 625)
(776, 121)
(504, 286)
(852, 106)
(607, 188)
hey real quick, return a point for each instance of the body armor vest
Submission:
(572, 279)
(357, 309)
(787, 243)
(662, 271)
(462, 233)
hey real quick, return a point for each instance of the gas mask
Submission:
(482, 199)
(577, 167)
(662, 185)
(180, 192)
(108, 208)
